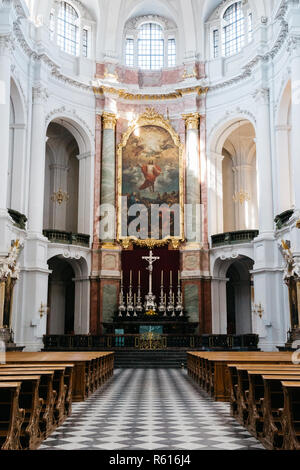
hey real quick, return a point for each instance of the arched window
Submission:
(70, 30)
(150, 43)
(151, 47)
(67, 29)
(234, 29)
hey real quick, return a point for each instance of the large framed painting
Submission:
(150, 183)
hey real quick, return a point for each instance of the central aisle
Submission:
(149, 409)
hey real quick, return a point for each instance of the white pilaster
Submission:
(264, 163)
(37, 164)
(85, 192)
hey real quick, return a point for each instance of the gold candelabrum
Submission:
(44, 310)
(259, 310)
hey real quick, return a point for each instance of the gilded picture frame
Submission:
(149, 118)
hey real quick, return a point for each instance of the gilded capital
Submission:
(191, 121)
(109, 120)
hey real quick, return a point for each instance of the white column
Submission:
(295, 115)
(264, 162)
(5, 63)
(37, 164)
(216, 192)
(85, 192)
(284, 180)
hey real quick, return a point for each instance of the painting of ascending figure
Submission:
(150, 167)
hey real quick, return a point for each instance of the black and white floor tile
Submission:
(150, 409)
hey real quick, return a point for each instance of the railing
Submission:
(123, 342)
(283, 218)
(68, 238)
(232, 238)
(18, 218)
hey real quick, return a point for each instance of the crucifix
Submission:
(150, 298)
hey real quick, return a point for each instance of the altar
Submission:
(158, 310)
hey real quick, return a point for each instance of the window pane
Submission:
(234, 29)
(216, 43)
(129, 52)
(67, 29)
(171, 53)
(151, 47)
(85, 42)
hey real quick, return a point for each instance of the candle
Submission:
(139, 278)
(170, 277)
(134, 299)
(162, 278)
(130, 277)
(178, 277)
(121, 277)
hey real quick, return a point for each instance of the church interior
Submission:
(149, 225)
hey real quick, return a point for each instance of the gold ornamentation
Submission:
(151, 313)
(109, 121)
(151, 341)
(190, 75)
(100, 91)
(151, 118)
(242, 196)
(114, 75)
(151, 243)
(60, 196)
(298, 224)
(191, 121)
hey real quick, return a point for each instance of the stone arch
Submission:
(232, 287)
(232, 172)
(77, 271)
(17, 154)
(84, 139)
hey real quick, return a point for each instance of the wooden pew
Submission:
(260, 397)
(240, 387)
(68, 377)
(213, 373)
(291, 415)
(11, 416)
(30, 436)
(52, 390)
(87, 367)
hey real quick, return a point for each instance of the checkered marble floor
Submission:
(150, 409)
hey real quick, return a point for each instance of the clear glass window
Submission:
(129, 52)
(67, 29)
(171, 52)
(151, 47)
(234, 29)
(216, 43)
(85, 42)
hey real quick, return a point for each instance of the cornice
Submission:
(123, 94)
